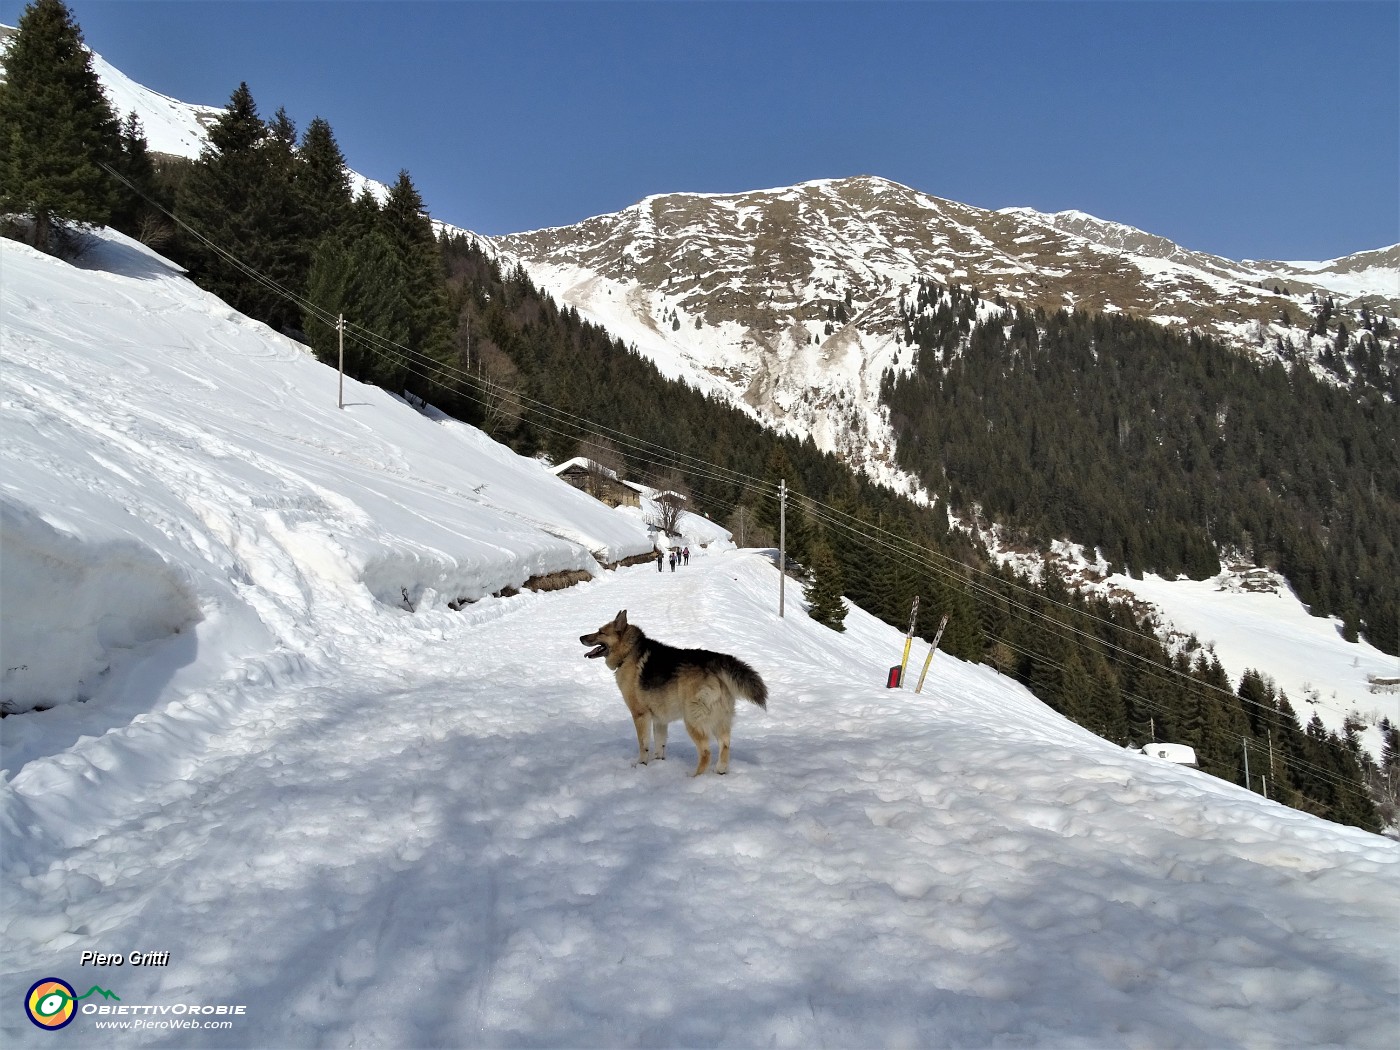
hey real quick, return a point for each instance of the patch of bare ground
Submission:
(556, 581)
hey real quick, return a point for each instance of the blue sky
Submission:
(1253, 130)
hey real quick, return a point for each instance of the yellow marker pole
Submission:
(931, 650)
(908, 640)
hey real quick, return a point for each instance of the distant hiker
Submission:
(659, 559)
(686, 555)
(673, 561)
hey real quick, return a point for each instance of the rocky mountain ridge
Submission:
(790, 299)
(787, 301)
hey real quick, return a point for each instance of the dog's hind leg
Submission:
(658, 743)
(722, 766)
(642, 724)
(702, 745)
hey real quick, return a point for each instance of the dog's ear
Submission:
(621, 621)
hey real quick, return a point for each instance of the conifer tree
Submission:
(422, 308)
(222, 199)
(323, 184)
(57, 128)
(824, 593)
(356, 272)
(136, 213)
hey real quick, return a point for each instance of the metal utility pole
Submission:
(340, 332)
(782, 544)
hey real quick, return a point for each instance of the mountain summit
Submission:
(791, 297)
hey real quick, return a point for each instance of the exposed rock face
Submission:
(788, 300)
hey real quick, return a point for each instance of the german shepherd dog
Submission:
(661, 684)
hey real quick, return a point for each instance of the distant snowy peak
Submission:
(790, 297)
(726, 255)
(172, 127)
(1370, 275)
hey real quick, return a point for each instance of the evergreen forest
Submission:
(1160, 449)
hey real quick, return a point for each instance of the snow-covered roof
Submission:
(584, 463)
(1179, 753)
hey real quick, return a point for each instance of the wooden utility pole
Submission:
(782, 544)
(340, 333)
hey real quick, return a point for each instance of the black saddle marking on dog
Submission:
(661, 663)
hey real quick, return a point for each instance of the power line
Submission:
(975, 581)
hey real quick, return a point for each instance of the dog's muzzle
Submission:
(596, 651)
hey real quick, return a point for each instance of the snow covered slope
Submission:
(364, 825)
(790, 297)
(713, 259)
(179, 129)
(156, 437)
(171, 126)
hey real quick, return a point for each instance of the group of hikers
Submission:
(682, 556)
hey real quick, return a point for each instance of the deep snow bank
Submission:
(74, 607)
(166, 459)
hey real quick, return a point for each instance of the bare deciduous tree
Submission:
(670, 496)
(498, 387)
(605, 467)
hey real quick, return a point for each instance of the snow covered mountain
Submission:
(172, 127)
(307, 795)
(711, 323)
(785, 301)
(790, 297)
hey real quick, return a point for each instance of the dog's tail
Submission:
(744, 681)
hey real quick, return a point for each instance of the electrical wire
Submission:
(420, 365)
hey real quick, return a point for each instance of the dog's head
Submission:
(611, 641)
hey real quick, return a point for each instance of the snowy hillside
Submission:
(171, 126)
(158, 441)
(349, 823)
(179, 129)
(789, 299)
(683, 277)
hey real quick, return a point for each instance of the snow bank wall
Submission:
(72, 607)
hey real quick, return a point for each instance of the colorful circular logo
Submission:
(50, 1004)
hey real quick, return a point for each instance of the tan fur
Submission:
(697, 687)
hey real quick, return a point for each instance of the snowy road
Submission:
(368, 827)
(441, 841)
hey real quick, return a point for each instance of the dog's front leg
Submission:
(658, 744)
(642, 723)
